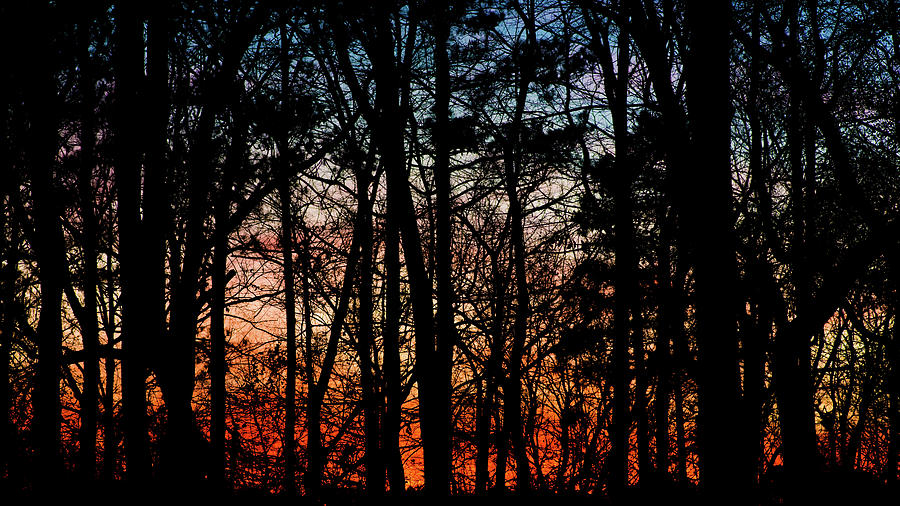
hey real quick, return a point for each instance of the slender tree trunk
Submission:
(312, 478)
(893, 458)
(893, 385)
(374, 461)
(317, 387)
(446, 330)
(390, 141)
(665, 331)
(392, 156)
(680, 437)
(680, 354)
(640, 378)
(9, 274)
(482, 438)
(564, 443)
(110, 438)
(287, 255)
(218, 338)
(652, 39)
(757, 338)
(89, 332)
(492, 381)
(512, 391)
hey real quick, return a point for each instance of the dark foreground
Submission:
(850, 488)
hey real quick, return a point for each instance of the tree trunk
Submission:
(391, 339)
(155, 217)
(445, 329)
(287, 256)
(756, 339)
(615, 82)
(129, 56)
(665, 331)
(792, 363)
(89, 330)
(492, 381)
(9, 275)
(512, 390)
(110, 461)
(390, 141)
(374, 462)
(312, 478)
(707, 218)
(40, 95)
(317, 387)
(893, 383)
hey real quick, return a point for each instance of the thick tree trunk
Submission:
(792, 362)
(129, 56)
(615, 81)
(707, 218)
(391, 339)
(155, 219)
(155, 204)
(178, 464)
(512, 388)
(42, 145)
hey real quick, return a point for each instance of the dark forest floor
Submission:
(845, 489)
